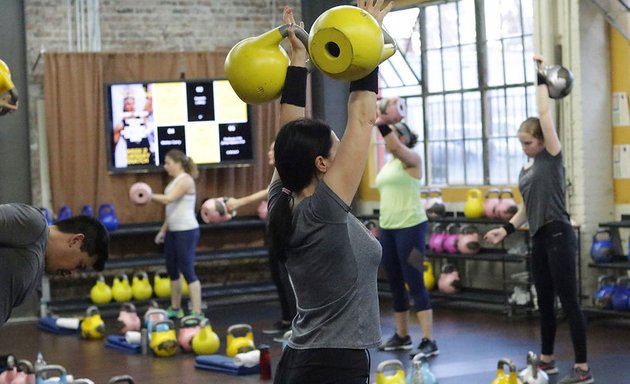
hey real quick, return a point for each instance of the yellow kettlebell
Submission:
(141, 287)
(163, 338)
(239, 344)
(185, 289)
(347, 43)
(398, 376)
(162, 285)
(206, 341)
(473, 209)
(92, 326)
(5, 78)
(256, 67)
(429, 278)
(121, 289)
(502, 378)
(101, 293)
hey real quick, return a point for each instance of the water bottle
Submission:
(39, 362)
(265, 362)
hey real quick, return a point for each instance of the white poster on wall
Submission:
(621, 161)
(620, 115)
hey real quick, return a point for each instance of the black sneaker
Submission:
(396, 343)
(428, 347)
(578, 376)
(549, 368)
(279, 327)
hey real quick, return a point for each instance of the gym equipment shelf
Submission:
(234, 245)
(620, 262)
(497, 254)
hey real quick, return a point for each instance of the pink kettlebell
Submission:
(436, 242)
(262, 210)
(372, 227)
(424, 198)
(450, 239)
(507, 206)
(189, 326)
(7, 376)
(25, 374)
(490, 205)
(128, 319)
(140, 193)
(468, 243)
(449, 281)
(215, 211)
(435, 206)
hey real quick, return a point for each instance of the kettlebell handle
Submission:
(190, 321)
(169, 323)
(246, 327)
(300, 33)
(121, 379)
(92, 310)
(129, 307)
(602, 231)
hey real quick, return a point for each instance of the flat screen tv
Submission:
(204, 118)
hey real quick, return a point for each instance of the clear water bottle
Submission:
(40, 362)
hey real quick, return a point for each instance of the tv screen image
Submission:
(203, 118)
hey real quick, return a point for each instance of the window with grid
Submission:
(465, 69)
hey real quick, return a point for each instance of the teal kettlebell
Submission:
(107, 216)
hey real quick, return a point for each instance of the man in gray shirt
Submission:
(28, 247)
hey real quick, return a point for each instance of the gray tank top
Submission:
(542, 186)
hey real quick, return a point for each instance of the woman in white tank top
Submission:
(180, 231)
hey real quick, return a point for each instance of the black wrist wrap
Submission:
(384, 129)
(368, 83)
(294, 90)
(509, 228)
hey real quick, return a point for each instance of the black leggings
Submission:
(280, 278)
(323, 366)
(554, 250)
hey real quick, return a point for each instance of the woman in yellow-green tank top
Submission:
(402, 233)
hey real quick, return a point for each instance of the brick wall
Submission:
(135, 26)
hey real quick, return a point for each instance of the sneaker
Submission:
(279, 327)
(197, 314)
(549, 368)
(396, 343)
(427, 347)
(174, 313)
(283, 338)
(578, 376)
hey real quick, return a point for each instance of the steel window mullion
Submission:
(424, 90)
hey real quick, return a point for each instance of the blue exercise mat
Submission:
(49, 324)
(224, 364)
(120, 343)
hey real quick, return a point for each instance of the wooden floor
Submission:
(471, 340)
